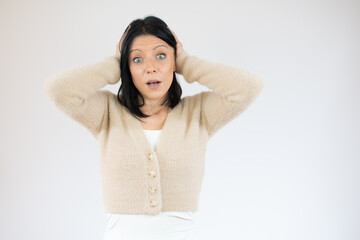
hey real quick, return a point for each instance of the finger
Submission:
(123, 37)
(126, 31)
(176, 38)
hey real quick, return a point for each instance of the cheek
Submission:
(136, 73)
(167, 74)
(168, 69)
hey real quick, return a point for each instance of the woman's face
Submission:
(151, 59)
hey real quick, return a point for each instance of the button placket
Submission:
(152, 173)
(153, 203)
(152, 190)
(153, 180)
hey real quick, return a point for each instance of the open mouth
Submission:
(153, 83)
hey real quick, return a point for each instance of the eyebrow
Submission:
(153, 48)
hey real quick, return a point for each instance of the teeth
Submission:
(152, 83)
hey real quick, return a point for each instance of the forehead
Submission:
(144, 42)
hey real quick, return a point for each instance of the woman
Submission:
(152, 142)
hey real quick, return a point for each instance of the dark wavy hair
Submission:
(128, 95)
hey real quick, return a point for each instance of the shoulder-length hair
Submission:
(128, 95)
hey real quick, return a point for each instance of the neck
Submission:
(151, 110)
(153, 106)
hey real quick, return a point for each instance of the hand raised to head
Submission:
(118, 45)
(179, 46)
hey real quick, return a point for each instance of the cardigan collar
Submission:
(138, 136)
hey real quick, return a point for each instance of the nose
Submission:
(150, 66)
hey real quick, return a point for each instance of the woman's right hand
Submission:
(117, 52)
(118, 45)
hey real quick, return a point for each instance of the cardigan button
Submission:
(152, 190)
(152, 174)
(153, 203)
(150, 156)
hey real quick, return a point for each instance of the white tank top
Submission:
(164, 226)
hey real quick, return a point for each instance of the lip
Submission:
(153, 80)
(156, 86)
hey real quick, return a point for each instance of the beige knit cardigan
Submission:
(135, 178)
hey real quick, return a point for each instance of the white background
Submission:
(286, 168)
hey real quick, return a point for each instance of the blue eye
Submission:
(137, 60)
(161, 56)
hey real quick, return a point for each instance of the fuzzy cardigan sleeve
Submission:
(234, 89)
(77, 93)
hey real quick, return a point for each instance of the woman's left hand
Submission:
(179, 46)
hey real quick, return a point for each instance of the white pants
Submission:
(165, 226)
